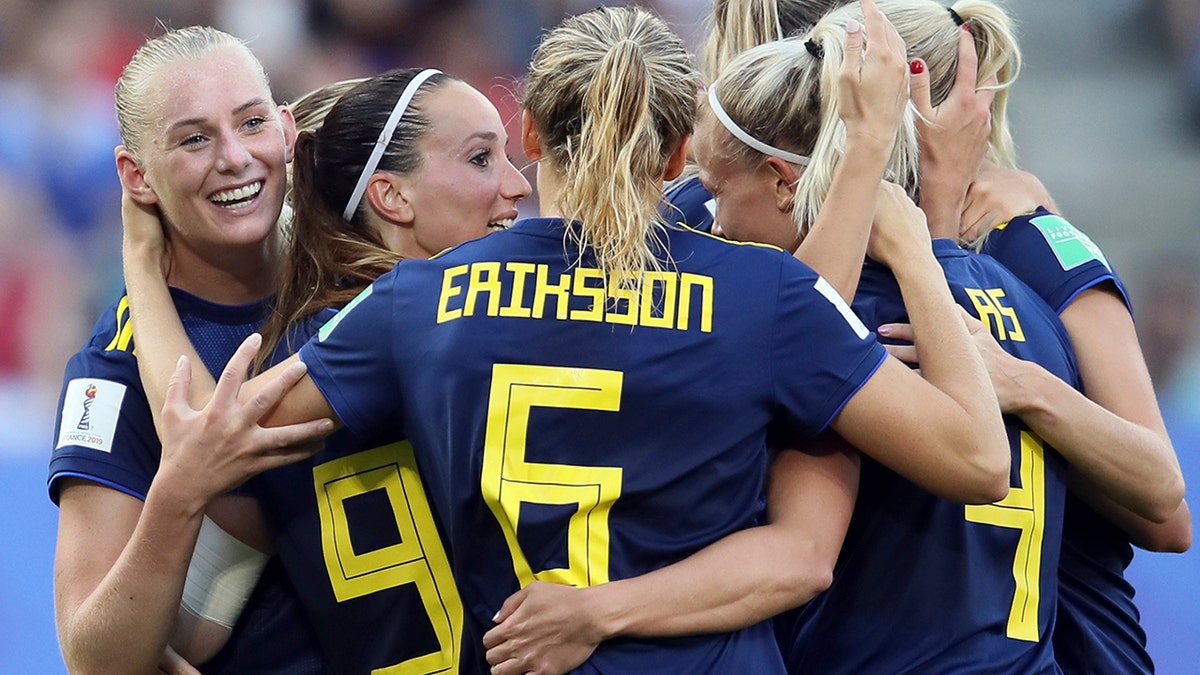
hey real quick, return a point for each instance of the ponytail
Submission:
(614, 185)
(734, 27)
(612, 93)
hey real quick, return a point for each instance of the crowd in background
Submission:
(60, 228)
(59, 60)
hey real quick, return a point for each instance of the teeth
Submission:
(238, 194)
(502, 224)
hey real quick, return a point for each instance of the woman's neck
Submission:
(229, 276)
(549, 186)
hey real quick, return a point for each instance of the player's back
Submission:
(927, 585)
(355, 533)
(580, 430)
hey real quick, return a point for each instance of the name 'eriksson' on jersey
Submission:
(663, 299)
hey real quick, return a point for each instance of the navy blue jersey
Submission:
(689, 203)
(358, 539)
(927, 585)
(1052, 257)
(105, 434)
(1099, 626)
(576, 430)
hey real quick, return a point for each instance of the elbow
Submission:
(990, 490)
(810, 574)
(1180, 543)
(1168, 500)
(1167, 540)
(989, 480)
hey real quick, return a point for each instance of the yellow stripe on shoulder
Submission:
(731, 242)
(124, 334)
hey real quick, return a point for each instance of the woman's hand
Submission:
(997, 195)
(1003, 368)
(143, 234)
(953, 136)
(899, 232)
(543, 629)
(873, 81)
(212, 451)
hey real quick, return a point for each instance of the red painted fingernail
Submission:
(917, 66)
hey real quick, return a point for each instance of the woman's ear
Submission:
(289, 130)
(133, 177)
(531, 140)
(784, 187)
(677, 161)
(387, 196)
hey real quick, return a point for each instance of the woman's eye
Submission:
(255, 123)
(481, 158)
(194, 139)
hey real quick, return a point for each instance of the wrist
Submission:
(603, 604)
(869, 147)
(174, 498)
(1028, 393)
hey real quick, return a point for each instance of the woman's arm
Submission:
(1125, 468)
(120, 564)
(747, 576)
(161, 339)
(941, 428)
(872, 95)
(119, 568)
(1115, 376)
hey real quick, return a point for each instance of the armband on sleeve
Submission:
(221, 575)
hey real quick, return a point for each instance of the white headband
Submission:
(740, 133)
(385, 137)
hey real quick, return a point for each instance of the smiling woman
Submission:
(214, 167)
(403, 165)
(206, 147)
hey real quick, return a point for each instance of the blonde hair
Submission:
(785, 96)
(612, 93)
(135, 115)
(931, 34)
(737, 25)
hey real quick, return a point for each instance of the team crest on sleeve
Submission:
(836, 300)
(325, 330)
(1072, 247)
(90, 411)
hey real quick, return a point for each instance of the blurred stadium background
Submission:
(1106, 113)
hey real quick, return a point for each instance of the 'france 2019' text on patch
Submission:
(90, 411)
(848, 314)
(332, 323)
(1072, 247)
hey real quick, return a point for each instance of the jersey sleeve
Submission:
(104, 430)
(822, 354)
(1053, 258)
(350, 360)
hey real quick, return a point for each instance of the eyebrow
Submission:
(484, 135)
(200, 120)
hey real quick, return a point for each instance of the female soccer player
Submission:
(591, 393)
(352, 525)
(952, 135)
(1139, 501)
(205, 144)
(916, 21)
